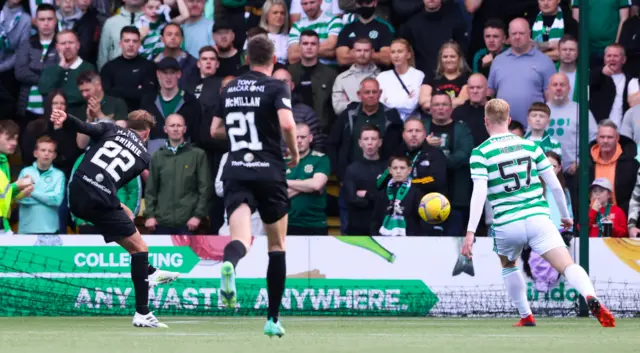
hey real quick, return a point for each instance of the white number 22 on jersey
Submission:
(120, 157)
(234, 133)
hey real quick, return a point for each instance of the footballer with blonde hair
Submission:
(506, 170)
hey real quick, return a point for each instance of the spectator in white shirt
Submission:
(402, 83)
(275, 20)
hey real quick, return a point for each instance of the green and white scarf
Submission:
(546, 143)
(555, 32)
(394, 224)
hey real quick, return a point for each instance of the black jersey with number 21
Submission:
(117, 156)
(249, 107)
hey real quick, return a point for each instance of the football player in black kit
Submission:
(116, 157)
(254, 113)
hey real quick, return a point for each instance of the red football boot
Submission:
(527, 321)
(601, 313)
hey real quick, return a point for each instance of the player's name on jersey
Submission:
(129, 145)
(511, 149)
(503, 138)
(242, 102)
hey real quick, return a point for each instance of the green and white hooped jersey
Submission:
(511, 165)
(35, 101)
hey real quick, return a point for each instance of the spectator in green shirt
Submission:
(605, 22)
(307, 188)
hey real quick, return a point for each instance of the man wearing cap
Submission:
(613, 158)
(170, 99)
(230, 58)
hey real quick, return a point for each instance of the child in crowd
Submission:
(39, 211)
(9, 192)
(156, 16)
(538, 119)
(604, 212)
(396, 210)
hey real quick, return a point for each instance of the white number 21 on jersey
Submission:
(234, 133)
(120, 157)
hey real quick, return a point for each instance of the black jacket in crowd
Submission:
(630, 40)
(428, 31)
(340, 139)
(473, 116)
(429, 169)
(129, 79)
(362, 175)
(189, 108)
(602, 94)
(209, 92)
(410, 205)
(626, 172)
(88, 29)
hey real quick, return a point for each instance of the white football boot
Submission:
(162, 277)
(148, 320)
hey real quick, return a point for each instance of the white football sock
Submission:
(517, 290)
(580, 280)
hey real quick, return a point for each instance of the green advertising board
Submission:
(114, 296)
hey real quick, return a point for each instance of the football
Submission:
(434, 208)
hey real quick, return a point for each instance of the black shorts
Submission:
(110, 219)
(270, 198)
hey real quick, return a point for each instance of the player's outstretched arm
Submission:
(288, 127)
(478, 197)
(217, 128)
(552, 182)
(93, 130)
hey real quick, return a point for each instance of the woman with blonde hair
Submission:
(401, 85)
(450, 77)
(275, 19)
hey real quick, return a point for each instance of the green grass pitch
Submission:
(315, 335)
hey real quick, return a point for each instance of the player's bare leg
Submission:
(137, 247)
(156, 276)
(240, 229)
(517, 290)
(276, 274)
(561, 260)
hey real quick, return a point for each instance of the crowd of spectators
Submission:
(388, 98)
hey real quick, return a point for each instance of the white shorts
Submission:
(538, 232)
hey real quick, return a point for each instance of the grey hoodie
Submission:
(15, 31)
(110, 37)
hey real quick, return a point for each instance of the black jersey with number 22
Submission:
(117, 156)
(249, 106)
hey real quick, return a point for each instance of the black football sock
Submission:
(151, 270)
(233, 252)
(276, 275)
(139, 276)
